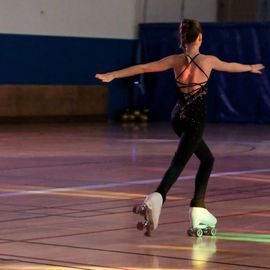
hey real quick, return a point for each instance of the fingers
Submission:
(103, 77)
(100, 77)
(257, 68)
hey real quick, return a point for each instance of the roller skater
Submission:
(150, 210)
(192, 70)
(202, 222)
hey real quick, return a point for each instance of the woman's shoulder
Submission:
(177, 56)
(176, 59)
(209, 57)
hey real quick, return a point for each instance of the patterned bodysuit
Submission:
(188, 121)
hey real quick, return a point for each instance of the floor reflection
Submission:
(204, 248)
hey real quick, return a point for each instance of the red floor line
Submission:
(74, 264)
(75, 234)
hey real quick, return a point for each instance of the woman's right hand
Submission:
(106, 77)
(256, 68)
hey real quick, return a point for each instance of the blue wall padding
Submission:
(232, 97)
(30, 59)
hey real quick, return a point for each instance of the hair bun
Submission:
(189, 31)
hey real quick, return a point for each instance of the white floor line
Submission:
(264, 142)
(134, 182)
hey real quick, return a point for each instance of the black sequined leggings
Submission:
(189, 125)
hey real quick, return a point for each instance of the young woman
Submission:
(192, 71)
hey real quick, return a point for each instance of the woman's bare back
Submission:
(194, 70)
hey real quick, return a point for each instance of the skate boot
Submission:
(150, 210)
(202, 222)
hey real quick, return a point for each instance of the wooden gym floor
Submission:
(66, 194)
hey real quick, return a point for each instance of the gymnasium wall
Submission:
(65, 42)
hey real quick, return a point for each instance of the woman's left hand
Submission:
(257, 68)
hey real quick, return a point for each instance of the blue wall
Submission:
(31, 59)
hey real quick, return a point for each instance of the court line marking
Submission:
(262, 142)
(142, 140)
(133, 182)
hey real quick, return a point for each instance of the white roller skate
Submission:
(202, 222)
(150, 209)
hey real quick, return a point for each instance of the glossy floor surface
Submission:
(67, 191)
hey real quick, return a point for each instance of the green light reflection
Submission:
(247, 237)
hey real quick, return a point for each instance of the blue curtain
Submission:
(232, 97)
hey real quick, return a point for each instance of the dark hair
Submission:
(189, 31)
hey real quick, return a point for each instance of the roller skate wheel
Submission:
(147, 233)
(139, 209)
(209, 231)
(149, 229)
(197, 232)
(135, 209)
(212, 231)
(189, 232)
(140, 226)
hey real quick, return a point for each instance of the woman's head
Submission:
(189, 31)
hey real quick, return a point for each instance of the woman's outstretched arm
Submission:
(235, 67)
(161, 65)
